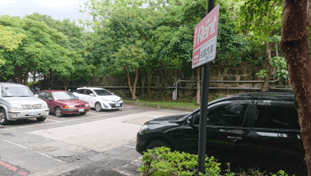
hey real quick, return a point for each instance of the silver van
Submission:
(18, 102)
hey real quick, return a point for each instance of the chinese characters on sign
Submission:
(205, 39)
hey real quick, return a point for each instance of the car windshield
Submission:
(101, 92)
(16, 91)
(63, 96)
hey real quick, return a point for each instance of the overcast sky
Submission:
(58, 9)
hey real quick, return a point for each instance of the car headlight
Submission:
(87, 105)
(143, 129)
(44, 105)
(16, 107)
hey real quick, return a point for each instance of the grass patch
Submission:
(170, 104)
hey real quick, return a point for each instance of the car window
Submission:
(63, 96)
(41, 95)
(279, 117)
(81, 91)
(88, 92)
(230, 114)
(101, 92)
(48, 95)
(16, 91)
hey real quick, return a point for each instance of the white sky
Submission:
(58, 9)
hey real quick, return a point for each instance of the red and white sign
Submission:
(205, 39)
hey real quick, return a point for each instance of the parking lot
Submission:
(98, 143)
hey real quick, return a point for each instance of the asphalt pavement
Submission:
(98, 143)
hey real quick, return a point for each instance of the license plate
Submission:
(33, 113)
(81, 110)
(117, 104)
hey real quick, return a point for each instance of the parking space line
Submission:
(48, 156)
(122, 172)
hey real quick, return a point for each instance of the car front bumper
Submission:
(26, 114)
(75, 110)
(140, 143)
(110, 105)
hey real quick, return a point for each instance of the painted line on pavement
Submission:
(48, 156)
(13, 168)
(122, 172)
(129, 146)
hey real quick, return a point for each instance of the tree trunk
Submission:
(133, 90)
(148, 84)
(295, 45)
(135, 84)
(18, 72)
(267, 66)
(34, 76)
(198, 87)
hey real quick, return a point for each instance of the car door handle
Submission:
(234, 138)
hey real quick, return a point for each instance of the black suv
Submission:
(248, 130)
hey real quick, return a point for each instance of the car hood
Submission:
(72, 102)
(23, 100)
(110, 97)
(165, 119)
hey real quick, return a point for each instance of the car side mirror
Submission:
(50, 98)
(192, 120)
(93, 95)
(36, 95)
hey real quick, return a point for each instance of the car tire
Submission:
(41, 119)
(98, 107)
(83, 113)
(3, 119)
(156, 144)
(58, 112)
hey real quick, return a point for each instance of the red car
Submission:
(61, 102)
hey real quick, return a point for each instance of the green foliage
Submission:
(260, 19)
(38, 51)
(161, 161)
(280, 64)
(262, 73)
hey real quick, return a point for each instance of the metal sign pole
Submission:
(203, 108)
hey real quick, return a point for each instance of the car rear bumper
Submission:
(26, 114)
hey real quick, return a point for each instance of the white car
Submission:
(99, 98)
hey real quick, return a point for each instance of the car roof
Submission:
(10, 84)
(90, 88)
(281, 96)
(54, 90)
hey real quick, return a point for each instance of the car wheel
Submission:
(3, 119)
(156, 144)
(83, 113)
(98, 107)
(41, 119)
(58, 112)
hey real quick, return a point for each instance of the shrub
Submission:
(163, 162)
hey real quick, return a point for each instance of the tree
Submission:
(38, 51)
(261, 20)
(9, 40)
(74, 42)
(295, 45)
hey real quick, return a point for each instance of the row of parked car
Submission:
(18, 102)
